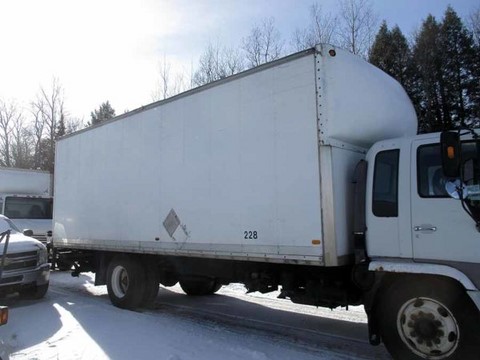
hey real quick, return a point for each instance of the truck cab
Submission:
(411, 215)
(26, 198)
(32, 212)
(422, 242)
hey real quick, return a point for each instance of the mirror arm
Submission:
(464, 206)
(462, 199)
(468, 130)
(5, 235)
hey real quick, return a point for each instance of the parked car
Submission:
(25, 269)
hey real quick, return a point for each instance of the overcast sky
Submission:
(109, 49)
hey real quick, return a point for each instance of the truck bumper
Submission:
(38, 276)
(475, 296)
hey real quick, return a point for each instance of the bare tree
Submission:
(209, 66)
(321, 29)
(22, 149)
(169, 84)
(72, 125)
(216, 63)
(232, 61)
(264, 43)
(473, 22)
(358, 23)
(162, 89)
(48, 109)
(165, 78)
(9, 115)
(16, 139)
(38, 130)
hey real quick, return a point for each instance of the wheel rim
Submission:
(428, 328)
(120, 281)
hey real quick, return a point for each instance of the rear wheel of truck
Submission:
(125, 282)
(198, 287)
(432, 318)
(63, 266)
(34, 293)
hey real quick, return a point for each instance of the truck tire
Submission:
(432, 318)
(34, 293)
(152, 284)
(200, 287)
(126, 282)
(151, 292)
(63, 265)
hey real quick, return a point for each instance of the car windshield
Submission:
(7, 223)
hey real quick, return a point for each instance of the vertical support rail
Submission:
(5, 235)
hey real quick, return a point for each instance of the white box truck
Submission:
(26, 199)
(305, 174)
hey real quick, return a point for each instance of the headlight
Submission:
(42, 256)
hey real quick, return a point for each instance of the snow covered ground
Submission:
(77, 321)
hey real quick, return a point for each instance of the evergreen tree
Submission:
(104, 112)
(380, 54)
(46, 158)
(402, 68)
(61, 129)
(474, 89)
(391, 53)
(428, 65)
(458, 69)
(447, 66)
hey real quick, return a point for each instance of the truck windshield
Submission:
(28, 208)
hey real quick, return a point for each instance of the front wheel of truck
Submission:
(125, 282)
(429, 318)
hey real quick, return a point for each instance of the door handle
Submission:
(425, 228)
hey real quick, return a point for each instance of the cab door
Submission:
(441, 229)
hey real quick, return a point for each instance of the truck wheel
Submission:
(429, 319)
(63, 265)
(151, 292)
(152, 284)
(200, 287)
(125, 282)
(34, 293)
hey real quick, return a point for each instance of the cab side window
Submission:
(430, 179)
(385, 184)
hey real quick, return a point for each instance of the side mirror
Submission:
(451, 153)
(453, 187)
(456, 189)
(28, 232)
